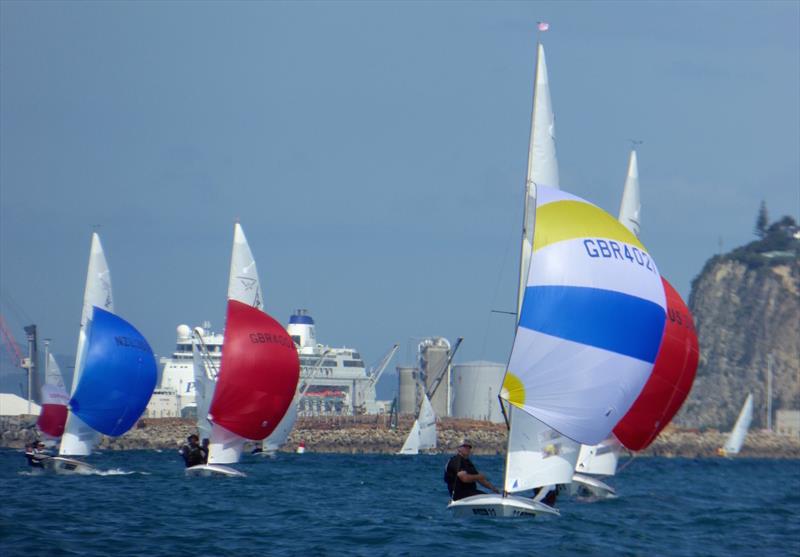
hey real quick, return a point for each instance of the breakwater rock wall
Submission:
(371, 434)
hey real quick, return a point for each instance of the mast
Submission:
(542, 167)
(769, 393)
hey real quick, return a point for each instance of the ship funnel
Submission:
(302, 330)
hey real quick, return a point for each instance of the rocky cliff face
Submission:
(746, 306)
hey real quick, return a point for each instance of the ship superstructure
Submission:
(335, 380)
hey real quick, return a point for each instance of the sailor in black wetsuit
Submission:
(461, 475)
(192, 453)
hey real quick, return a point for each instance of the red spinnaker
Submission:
(258, 375)
(52, 419)
(670, 382)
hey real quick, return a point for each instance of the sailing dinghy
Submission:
(423, 433)
(115, 373)
(591, 322)
(736, 437)
(54, 404)
(259, 371)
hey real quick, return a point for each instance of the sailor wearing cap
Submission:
(461, 475)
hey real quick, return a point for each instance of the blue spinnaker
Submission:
(118, 377)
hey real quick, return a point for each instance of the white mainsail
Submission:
(542, 160)
(631, 207)
(79, 439)
(423, 433)
(528, 438)
(225, 447)
(736, 438)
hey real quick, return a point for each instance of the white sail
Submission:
(600, 459)
(278, 437)
(204, 388)
(427, 425)
(537, 455)
(243, 283)
(542, 160)
(736, 438)
(423, 433)
(79, 439)
(630, 207)
(225, 447)
(53, 390)
(411, 446)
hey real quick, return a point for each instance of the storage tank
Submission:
(408, 391)
(475, 388)
(433, 355)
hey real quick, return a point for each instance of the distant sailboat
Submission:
(55, 400)
(423, 433)
(115, 372)
(259, 370)
(736, 437)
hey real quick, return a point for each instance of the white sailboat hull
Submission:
(67, 466)
(587, 486)
(208, 470)
(499, 506)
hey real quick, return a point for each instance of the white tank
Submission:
(475, 387)
(433, 354)
(408, 391)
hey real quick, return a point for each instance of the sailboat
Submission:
(54, 404)
(423, 433)
(115, 372)
(736, 437)
(258, 374)
(591, 321)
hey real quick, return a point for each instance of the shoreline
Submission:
(372, 435)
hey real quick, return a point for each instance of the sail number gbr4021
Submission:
(610, 249)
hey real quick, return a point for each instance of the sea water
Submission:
(324, 504)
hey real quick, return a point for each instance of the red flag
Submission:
(544, 26)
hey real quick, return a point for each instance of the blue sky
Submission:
(374, 152)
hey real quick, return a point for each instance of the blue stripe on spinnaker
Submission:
(605, 319)
(118, 377)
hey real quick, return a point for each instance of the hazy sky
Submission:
(374, 153)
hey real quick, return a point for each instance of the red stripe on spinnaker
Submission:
(669, 383)
(258, 375)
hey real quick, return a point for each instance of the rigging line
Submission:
(509, 242)
(16, 309)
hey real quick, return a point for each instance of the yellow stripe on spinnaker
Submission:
(569, 219)
(513, 390)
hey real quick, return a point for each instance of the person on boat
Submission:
(461, 475)
(204, 449)
(192, 452)
(36, 454)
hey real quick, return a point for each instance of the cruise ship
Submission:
(335, 381)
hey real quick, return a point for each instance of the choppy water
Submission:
(316, 504)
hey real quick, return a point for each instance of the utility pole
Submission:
(769, 392)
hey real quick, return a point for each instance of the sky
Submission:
(374, 152)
